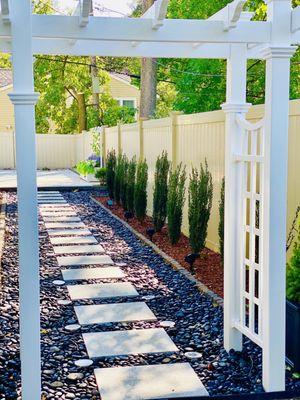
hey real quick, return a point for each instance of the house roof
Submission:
(5, 77)
(125, 78)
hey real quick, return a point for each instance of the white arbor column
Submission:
(274, 215)
(24, 100)
(277, 57)
(235, 103)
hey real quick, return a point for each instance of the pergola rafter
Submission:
(229, 34)
(157, 12)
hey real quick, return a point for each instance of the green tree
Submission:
(221, 219)
(130, 185)
(176, 199)
(160, 194)
(140, 190)
(118, 177)
(110, 172)
(123, 181)
(200, 203)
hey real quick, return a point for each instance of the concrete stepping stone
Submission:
(62, 225)
(63, 218)
(49, 191)
(55, 213)
(54, 206)
(83, 260)
(68, 232)
(46, 199)
(80, 249)
(167, 381)
(108, 313)
(77, 274)
(73, 240)
(134, 341)
(50, 196)
(102, 291)
(50, 201)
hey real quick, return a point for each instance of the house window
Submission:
(127, 103)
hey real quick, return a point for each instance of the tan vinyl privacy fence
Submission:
(53, 151)
(192, 138)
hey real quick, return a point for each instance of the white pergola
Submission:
(254, 298)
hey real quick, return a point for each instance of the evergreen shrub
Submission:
(200, 202)
(110, 172)
(130, 185)
(176, 199)
(160, 194)
(140, 190)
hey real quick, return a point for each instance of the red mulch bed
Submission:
(208, 269)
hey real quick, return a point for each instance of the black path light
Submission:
(190, 259)
(150, 233)
(128, 215)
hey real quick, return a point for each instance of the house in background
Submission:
(123, 91)
(119, 87)
(7, 122)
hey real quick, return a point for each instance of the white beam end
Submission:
(84, 12)
(157, 12)
(231, 14)
(296, 19)
(5, 11)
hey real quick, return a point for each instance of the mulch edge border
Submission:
(2, 223)
(175, 264)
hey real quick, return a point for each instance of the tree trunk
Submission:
(95, 96)
(148, 80)
(81, 112)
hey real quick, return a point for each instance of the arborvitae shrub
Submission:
(100, 174)
(140, 190)
(293, 273)
(118, 177)
(176, 198)
(200, 202)
(110, 172)
(130, 185)
(160, 194)
(123, 180)
(221, 219)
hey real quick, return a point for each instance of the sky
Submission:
(113, 8)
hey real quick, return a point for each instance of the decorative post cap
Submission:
(278, 52)
(236, 108)
(24, 98)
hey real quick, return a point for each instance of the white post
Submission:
(274, 216)
(235, 103)
(24, 100)
(275, 194)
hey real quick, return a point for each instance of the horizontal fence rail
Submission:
(190, 139)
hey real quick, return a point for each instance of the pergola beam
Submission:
(129, 49)
(157, 12)
(140, 30)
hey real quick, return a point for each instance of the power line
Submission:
(102, 68)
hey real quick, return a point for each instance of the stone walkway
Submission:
(77, 249)
(46, 179)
